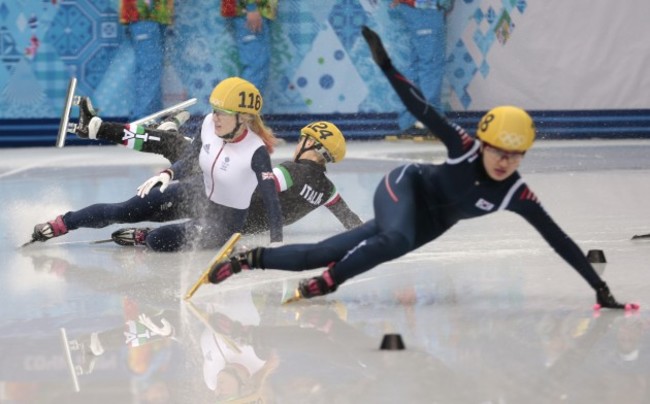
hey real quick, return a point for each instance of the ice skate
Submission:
(150, 120)
(605, 299)
(88, 124)
(174, 122)
(130, 236)
(48, 230)
(242, 260)
(312, 287)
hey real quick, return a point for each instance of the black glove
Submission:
(604, 298)
(377, 49)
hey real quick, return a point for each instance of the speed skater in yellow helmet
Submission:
(328, 139)
(235, 94)
(507, 128)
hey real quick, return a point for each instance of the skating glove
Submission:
(377, 50)
(163, 179)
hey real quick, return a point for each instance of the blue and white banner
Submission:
(539, 54)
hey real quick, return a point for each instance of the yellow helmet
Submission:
(329, 136)
(235, 94)
(508, 128)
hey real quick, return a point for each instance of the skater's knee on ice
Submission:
(157, 243)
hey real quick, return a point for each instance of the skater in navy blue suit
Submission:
(416, 203)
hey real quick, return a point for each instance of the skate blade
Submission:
(223, 253)
(108, 240)
(629, 307)
(149, 119)
(30, 242)
(294, 298)
(68, 360)
(27, 244)
(70, 98)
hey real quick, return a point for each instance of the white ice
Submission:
(488, 313)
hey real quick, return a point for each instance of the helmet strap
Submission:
(316, 146)
(303, 148)
(231, 135)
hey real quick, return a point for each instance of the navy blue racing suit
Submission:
(416, 203)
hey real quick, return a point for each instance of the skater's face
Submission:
(305, 149)
(224, 122)
(303, 143)
(500, 164)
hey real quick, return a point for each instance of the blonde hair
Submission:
(264, 132)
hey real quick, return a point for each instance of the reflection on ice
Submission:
(488, 314)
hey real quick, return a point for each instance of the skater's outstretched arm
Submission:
(169, 144)
(526, 204)
(165, 140)
(455, 139)
(342, 211)
(261, 165)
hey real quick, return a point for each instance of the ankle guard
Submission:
(252, 258)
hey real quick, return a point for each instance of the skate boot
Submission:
(130, 236)
(377, 49)
(174, 122)
(48, 230)
(243, 260)
(89, 122)
(318, 285)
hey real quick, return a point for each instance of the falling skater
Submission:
(417, 203)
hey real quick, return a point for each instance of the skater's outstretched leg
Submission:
(295, 257)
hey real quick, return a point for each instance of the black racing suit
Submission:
(307, 187)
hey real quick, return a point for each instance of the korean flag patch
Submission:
(484, 205)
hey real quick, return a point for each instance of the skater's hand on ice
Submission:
(605, 299)
(163, 178)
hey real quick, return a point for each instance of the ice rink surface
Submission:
(488, 313)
